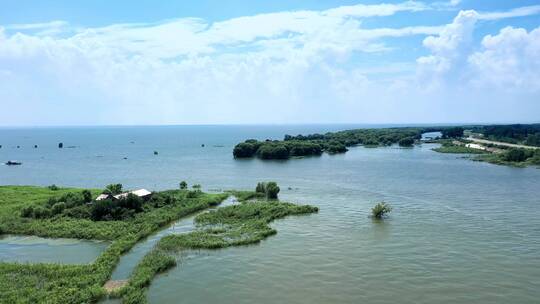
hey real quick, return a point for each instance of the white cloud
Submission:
(517, 12)
(510, 59)
(277, 67)
(449, 47)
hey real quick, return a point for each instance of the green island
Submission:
(331, 142)
(512, 145)
(75, 213)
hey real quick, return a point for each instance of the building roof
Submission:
(102, 197)
(139, 193)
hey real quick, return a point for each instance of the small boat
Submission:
(13, 163)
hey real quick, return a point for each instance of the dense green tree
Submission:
(517, 155)
(533, 140)
(406, 142)
(27, 211)
(272, 190)
(455, 132)
(87, 196)
(261, 188)
(113, 189)
(183, 185)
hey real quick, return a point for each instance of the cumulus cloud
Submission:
(449, 47)
(252, 69)
(510, 59)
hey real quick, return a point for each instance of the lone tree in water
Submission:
(380, 210)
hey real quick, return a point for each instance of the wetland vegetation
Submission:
(48, 212)
(52, 283)
(236, 225)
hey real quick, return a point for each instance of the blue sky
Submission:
(183, 62)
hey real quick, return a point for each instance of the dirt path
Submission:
(111, 285)
(485, 141)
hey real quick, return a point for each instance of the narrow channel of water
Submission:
(23, 249)
(133, 257)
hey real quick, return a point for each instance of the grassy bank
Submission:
(243, 224)
(513, 157)
(51, 283)
(457, 149)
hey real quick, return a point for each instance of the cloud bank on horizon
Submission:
(342, 64)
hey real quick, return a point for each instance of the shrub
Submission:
(517, 155)
(183, 185)
(273, 151)
(380, 210)
(192, 194)
(261, 188)
(87, 196)
(53, 187)
(79, 212)
(27, 211)
(272, 190)
(41, 212)
(132, 202)
(58, 208)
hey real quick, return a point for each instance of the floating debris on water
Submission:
(13, 163)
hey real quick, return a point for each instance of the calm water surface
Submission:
(23, 249)
(460, 232)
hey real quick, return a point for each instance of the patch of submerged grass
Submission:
(243, 224)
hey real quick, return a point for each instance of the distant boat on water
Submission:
(13, 163)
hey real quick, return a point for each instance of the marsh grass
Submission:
(52, 283)
(237, 225)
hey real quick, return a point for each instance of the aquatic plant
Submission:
(380, 210)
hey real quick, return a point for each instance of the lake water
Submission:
(460, 232)
(23, 249)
